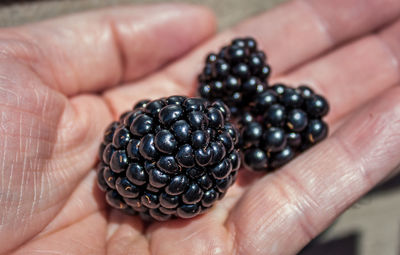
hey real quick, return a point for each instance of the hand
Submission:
(63, 81)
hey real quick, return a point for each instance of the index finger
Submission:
(92, 51)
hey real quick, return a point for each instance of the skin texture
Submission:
(63, 81)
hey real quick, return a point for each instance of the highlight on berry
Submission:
(170, 157)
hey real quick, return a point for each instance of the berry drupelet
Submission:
(171, 157)
(280, 123)
(235, 74)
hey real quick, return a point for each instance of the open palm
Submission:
(63, 81)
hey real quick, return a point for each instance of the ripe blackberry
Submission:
(235, 74)
(171, 157)
(280, 123)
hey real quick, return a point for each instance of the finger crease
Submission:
(189, 89)
(120, 53)
(320, 22)
(302, 205)
(351, 155)
(391, 52)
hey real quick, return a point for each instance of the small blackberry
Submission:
(276, 123)
(235, 75)
(280, 123)
(171, 157)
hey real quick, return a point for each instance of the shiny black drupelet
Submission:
(279, 124)
(171, 157)
(235, 75)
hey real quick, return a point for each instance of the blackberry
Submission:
(171, 157)
(280, 123)
(235, 75)
(276, 122)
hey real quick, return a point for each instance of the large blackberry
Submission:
(235, 74)
(171, 157)
(280, 123)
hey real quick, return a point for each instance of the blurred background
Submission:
(370, 227)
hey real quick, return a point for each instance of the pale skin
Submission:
(63, 81)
